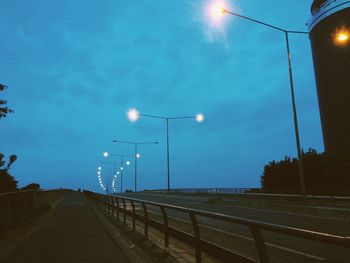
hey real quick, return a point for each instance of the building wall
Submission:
(332, 70)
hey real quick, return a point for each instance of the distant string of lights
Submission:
(112, 182)
(99, 172)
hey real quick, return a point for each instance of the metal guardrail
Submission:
(211, 190)
(311, 193)
(18, 207)
(118, 204)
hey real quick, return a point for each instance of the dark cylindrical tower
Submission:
(329, 29)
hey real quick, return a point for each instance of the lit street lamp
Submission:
(342, 37)
(121, 156)
(136, 155)
(219, 11)
(134, 115)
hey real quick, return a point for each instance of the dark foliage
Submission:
(4, 111)
(32, 186)
(7, 182)
(323, 175)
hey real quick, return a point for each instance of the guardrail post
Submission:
(117, 199)
(133, 215)
(100, 200)
(112, 199)
(145, 214)
(109, 207)
(197, 236)
(124, 206)
(106, 203)
(103, 203)
(166, 230)
(260, 244)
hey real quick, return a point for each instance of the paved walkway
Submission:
(71, 234)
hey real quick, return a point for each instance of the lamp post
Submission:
(222, 11)
(136, 155)
(121, 156)
(133, 116)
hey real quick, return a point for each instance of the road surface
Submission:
(71, 233)
(282, 248)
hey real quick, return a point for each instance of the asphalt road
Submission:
(72, 233)
(238, 238)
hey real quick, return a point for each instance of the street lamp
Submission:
(121, 156)
(286, 34)
(136, 155)
(134, 115)
(342, 37)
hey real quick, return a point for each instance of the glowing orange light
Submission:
(342, 37)
(133, 115)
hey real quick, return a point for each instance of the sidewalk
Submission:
(72, 233)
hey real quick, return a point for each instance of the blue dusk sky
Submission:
(75, 67)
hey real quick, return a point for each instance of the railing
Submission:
(119, 205)
(212, 190)
(18, 207)
(311, 193)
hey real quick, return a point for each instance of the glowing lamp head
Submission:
(199, 117)
(217, 10)
(138, 155)
(118, 172)
(99, 168)
(133, 115)
(122, 168)
(106, 154)
(99, 173)
(127, 162)
(342, 37)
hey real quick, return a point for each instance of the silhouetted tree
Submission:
(323, 174)
(7, 182)
(32, 186)
(4, 110)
